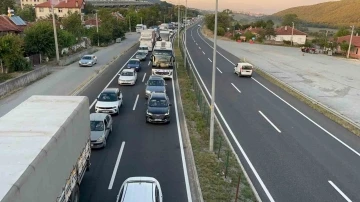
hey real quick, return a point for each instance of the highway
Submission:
(290, 151)
(135, 148)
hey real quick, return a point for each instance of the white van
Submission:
(243, 69)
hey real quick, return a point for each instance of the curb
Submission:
(85, 83)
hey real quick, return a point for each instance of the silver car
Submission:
(88, 61)
(101, 127)
(155, 84)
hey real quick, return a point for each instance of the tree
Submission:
(4, 4)
(72, 23)
(88, 8)
(344, 46)
(12, 53)
(248, 35)
(342, 32)
(27, 13)
(39, 38)
(288, 19)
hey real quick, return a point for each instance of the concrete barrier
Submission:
(21, 81)
(76, 57)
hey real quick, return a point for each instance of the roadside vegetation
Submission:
(211, 167)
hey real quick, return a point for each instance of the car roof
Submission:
(128, 70)
(110, 90)
(134, 59)
(244, 63)
(152, 77)
(88, 55)
(158, 95)
(143, 46)
(97, 116)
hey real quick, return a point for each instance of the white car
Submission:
(144, 48)
(127, 77)
(140, 189)
(109, 101)
(243, 69)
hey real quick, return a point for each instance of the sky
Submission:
(254, 6)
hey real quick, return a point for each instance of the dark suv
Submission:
(158, 108)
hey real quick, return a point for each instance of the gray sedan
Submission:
(155, 84)
(101, 127)
(88, 61)
(141, 56)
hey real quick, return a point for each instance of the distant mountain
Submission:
(338, 13)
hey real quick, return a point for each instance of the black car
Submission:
(158, 108)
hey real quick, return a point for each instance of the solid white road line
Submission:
(116, 166)
(235, 87)
(316, 124)
(340, 192)
(117, 73)
(203, 52)
(209, 59)
(233, 136)
(219, 70)
(136, 100)
(271, 123)
(144, 77)
(186, 176)
(149, 63)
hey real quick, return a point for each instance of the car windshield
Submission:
(247, 67)
(86, 58)
(141, 54)
(127, 73)
(133, 62)
(143, 48)
(107, 97)
(96, 126)
(163, 52)
(156, 83)
(158, 102)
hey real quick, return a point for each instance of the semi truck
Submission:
(147, 38)
(45, 149)
(163, 60)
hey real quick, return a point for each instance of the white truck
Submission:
(147, 38)
(165, 35)
(139, 28)
(44, 149)
(163, 60)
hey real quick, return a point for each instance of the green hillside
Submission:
(339, 13)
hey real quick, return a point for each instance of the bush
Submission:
(20, 64)
(220, 31)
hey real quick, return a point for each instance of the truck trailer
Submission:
(44, 149)
(147, 38)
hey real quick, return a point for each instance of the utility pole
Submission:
(141, 20)
(185, 35)
(55, 35)
(129, 23)
(97, 29)
(164, 18)
(212, 106)
(292, 34)
(178, 29)
(351, 36)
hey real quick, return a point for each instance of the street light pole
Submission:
(129, 23)
(292, 33)
(97, 29)
(212, 106)
(185, 34)
(55, 35)
(351, 36)
(178, 27)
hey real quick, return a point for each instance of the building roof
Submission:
(255, 30)
(355, 40)
(11, 24)
(92, 22)
(287, 30)
(62, 4)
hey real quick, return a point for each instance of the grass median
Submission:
(210, 166)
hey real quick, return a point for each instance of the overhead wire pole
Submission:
(185, 47)
(55, 35)
(351, 36)
(178, 27)
(212, 106)
(97, 29)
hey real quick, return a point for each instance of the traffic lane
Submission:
(168, 160)
(335, 129)
(308, 129)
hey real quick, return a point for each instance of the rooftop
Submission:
(287, 30)
(355, 40)
(63, 4)
(11, 24)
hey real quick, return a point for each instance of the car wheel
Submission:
(104, 143)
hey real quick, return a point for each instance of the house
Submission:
(91, 23)
(13, 24)
(118, 15)
(286, 33)
(254, 30)
(64, 7)
(355, 42)
(31, 3)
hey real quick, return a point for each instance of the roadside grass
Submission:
(214, 186)
(310, 103)
(207, 32)
(5, 77)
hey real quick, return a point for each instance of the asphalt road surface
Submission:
(134, 148)
(290, 151)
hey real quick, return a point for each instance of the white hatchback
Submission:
(127, 77)
(243, 69)
(140, 189)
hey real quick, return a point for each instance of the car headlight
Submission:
(114, 107)
(148, 113)
(101, 138)
(148, 92)
(89, 62)
(167, 113)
